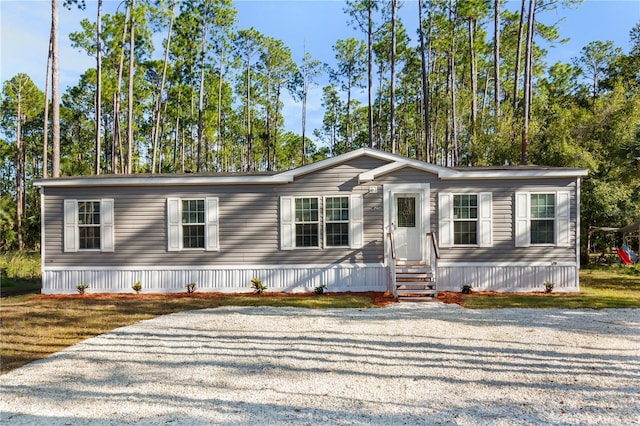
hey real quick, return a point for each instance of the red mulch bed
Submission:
(377, 298)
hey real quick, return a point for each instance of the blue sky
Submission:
(318, 24)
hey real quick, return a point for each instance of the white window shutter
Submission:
(522, 219)
(563, 218)
(287, 223)
(356, 221)
(485, 219)
(445, 219)
(71, 236)
(174, 225)
(211, 224)
(107, 237)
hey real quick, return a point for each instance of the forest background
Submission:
(180, 88)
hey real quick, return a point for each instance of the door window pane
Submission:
(406, 208)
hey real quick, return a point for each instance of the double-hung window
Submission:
(542, 218)
(465, 219)
(88, 225)
(336, 221)
(192, 224)
(315, 222)
(307, 223)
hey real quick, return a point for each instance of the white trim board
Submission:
(535, 264)
(89, 268)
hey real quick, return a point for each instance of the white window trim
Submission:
(325, 221)
(288, 223)
(182, 225)
(317, 223)
(211, 226)
(71, 242)
(561, 220)
(446, 221)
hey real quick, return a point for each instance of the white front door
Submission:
(407, 224)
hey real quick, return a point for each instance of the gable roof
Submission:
(394, 162)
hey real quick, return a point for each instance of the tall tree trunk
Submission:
(452, 88)
(370, 70)
(55, 93)
(98, 86)
(392, 91)
(528, 71)
(19, 171)
(45, 125)
(130, 100)
(249, 140)
(117, 131)
(305, 92)
(156, 114)
(485, 95)
(274, 164)
(379, 126)
(425, 87)
(268, 121)
(474, 78)
(221, 145)
(516, 74)
(201, 93)
(496, 57)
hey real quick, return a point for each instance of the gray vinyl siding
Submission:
(249, 221)
(503, 193)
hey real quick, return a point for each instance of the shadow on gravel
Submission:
(197, 367)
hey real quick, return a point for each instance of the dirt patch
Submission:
(451, 297)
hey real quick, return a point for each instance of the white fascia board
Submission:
(292, 174)
(514, 174)
(397, 161)
(387, 168)
(163, 181)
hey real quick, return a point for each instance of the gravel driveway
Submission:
(409, 363)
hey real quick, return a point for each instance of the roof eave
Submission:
(514, 174)
(163, 181)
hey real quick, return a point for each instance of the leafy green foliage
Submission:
(257, 286)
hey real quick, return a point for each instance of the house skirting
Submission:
(229, 279)
(508, 277)
(451, 276)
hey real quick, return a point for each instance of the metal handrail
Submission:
(434, 242)
(393, 245)
(392, 266)
(435, 255)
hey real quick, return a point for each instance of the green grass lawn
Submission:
(599, 288)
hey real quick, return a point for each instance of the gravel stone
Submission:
(407, 363)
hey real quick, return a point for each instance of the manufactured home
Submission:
(366, 220)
